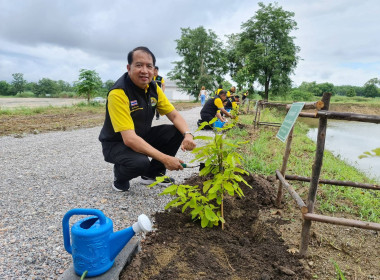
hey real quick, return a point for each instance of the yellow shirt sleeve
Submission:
(118, 108)
(164, 106)
(218, 103)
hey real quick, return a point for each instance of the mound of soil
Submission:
(248, 247)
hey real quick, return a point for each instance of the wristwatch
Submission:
(187, 132)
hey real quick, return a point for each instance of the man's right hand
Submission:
(172, 163)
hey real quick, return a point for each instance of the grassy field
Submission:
(264, 156)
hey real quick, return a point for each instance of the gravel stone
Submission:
(45, 175)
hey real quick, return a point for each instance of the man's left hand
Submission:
(188, 143)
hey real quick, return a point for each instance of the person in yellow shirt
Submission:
(220, 87)
(230, 98)
(128, 139)
(244, 97)
(161, 83)
(214, 107)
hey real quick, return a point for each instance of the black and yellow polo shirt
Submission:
(211, 107)
(130, 107)
(159, 80)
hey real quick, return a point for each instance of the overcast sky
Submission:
(339, 40)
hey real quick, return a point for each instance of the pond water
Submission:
(357, 143)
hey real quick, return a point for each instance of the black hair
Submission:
(156, 67)
(222, 92)
(220, 86)
(144, 49)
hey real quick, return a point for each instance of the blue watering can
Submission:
(94, 245)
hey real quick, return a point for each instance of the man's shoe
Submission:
(167, 181)
(120, 187)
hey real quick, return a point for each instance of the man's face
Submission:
(142, 69)
(155, 72)
(223, 97)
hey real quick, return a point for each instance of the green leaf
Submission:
(170, 189)
(204, 222)
(193, 202)
(181, 191)
(171, 203)
(206, 185)
(185, 206)
(210, 215)
(228, 187)
(215, 188)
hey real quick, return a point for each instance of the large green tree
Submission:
(268, 52)
(89, 83)
(18, 82)
(203, 63)
(5, 88)
(237, 69)
(46, 87)
(63, 86)
(371, 90)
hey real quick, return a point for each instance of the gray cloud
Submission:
(55, 39)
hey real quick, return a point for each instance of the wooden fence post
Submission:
(283, 167)
(316, 171)
(256, 115)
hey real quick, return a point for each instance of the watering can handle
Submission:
(78, 211)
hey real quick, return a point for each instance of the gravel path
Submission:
(43, 176)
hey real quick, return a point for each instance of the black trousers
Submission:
(130, 164)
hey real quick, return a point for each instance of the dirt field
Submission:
(58, 119)
(10, 103)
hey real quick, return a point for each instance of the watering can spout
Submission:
(120, 238)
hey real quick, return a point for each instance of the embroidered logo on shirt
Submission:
(153, 101)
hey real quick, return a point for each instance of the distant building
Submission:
(173, 93)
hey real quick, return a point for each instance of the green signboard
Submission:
(289, 121)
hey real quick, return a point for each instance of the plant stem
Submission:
(221, 171)
(221, 211)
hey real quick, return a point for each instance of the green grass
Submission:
(355, 99)
(82, 106)
(264, 156)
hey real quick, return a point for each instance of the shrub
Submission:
(300, 95)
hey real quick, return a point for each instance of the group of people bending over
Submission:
(220, 105)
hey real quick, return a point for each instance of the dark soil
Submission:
(248, 247)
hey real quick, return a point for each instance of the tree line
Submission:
(89, 83)
(263, 54)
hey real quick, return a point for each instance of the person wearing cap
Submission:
(128, 139)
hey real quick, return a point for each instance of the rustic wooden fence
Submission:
(307, 208)
(261, 104)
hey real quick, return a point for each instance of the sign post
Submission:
(289, 121)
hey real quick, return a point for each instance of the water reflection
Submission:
(351, 140)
